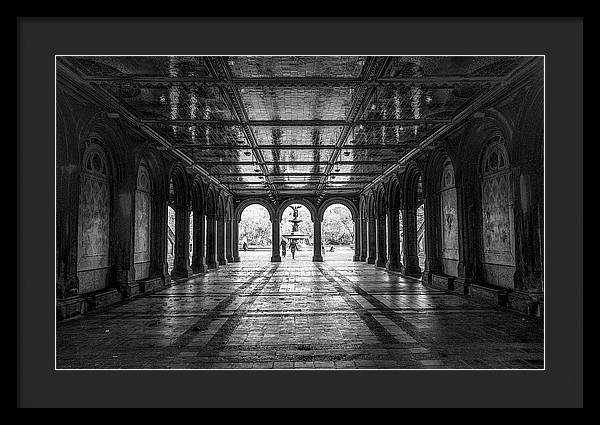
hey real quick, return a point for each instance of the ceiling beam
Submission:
(293, 81)
(188, 146)
(294, 174)
(294, 123)
(357, 162)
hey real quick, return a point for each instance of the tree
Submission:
(337, 226)
(255, 226)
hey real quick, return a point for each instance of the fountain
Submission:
(295, 235)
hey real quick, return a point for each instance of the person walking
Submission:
(283, 246)
(293, 248)
(245, 246)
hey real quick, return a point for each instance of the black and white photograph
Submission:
(299, 212)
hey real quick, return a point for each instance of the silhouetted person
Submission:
(331, 249)
(293, 248)
(245, 246)
(283, 246)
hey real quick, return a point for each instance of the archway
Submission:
(338, 233)
(255, 233)
(297, 233)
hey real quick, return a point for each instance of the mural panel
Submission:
(449, 225)
(497, 214)
(94, 216)
(143, 205)
(449, 214)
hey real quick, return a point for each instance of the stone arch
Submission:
(239, 209)
(111, 137)
(393, 193)
(178, 193)
(197, 195)
(291, 201)
(338, 200)
(442, 220)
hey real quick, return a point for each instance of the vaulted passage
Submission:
(330, 211)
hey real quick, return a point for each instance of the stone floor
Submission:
(298, 314)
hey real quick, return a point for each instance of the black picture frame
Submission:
(560, 40)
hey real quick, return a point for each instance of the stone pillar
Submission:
(221, 256)
(356, 239)
(181, 264)
(199, 243)
(411, 260)
(275, 239)
(372, 240)
(466, 264)
(211, 242)
(433, 236)
(163, 242)
(381, 240)
(67, 214)
(317, 251)
(364, 244)
(394, 261)
(229, 240)
(235, 226)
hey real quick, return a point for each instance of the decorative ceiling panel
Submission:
(297, 155)
(391, 102)
(296, 103)
(178, 102)
(168, 66)
(205, 135)
(296, 135)
(289, 168)
(424, 66)
(296, 66)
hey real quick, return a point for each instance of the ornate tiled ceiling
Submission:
(301, 125)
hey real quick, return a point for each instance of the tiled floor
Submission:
(299, 314)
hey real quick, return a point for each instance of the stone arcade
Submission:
(438, 159)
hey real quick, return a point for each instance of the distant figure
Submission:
(283, 246)
(331, 249)
(293, 248)
(245, 246)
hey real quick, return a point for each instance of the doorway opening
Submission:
(255, 236)
(338, 233)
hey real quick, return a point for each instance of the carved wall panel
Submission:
(93, 251)
(143, 207)
(449, 215)
(497, 209)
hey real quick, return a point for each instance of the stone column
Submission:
(275, 239)
(381, 240)
(356, 239)
(199, 254)
(433, 236)
(317, 251)
(466, 264)
(411, 260)
(211, 242)
(236, 240)
(229, 240)
(122, 237)
(181, 264)
(394, 262)
(221, 256)
(364, 244)
(372, 241)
